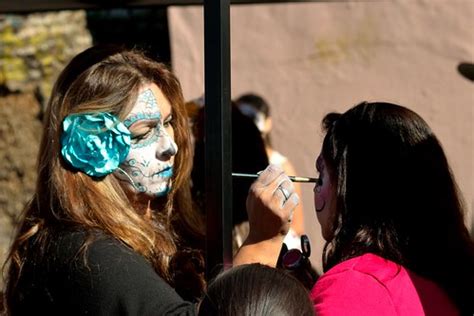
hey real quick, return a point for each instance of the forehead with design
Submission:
(146, 107)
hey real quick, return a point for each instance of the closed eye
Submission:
(168, 122)
(142, 135)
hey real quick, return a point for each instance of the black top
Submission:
(115, 281)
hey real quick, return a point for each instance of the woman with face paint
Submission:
(392, 217)
(111, 228)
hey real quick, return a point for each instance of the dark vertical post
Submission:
(218, 151)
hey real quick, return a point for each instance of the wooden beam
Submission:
(218, 145)
(29, 6)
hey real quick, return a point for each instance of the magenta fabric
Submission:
(371, 285)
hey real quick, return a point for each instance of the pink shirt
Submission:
(371, 285)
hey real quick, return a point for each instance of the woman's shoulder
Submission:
(352, 288)
(378, 268)
(105, 260)
(76, 248)
(105, 277)
(88, 258)
(374, 285)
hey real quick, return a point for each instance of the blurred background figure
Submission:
(255, 289)
(248, 155)
(257, 108)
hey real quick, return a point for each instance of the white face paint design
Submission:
(148, 167)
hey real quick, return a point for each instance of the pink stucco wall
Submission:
(310, 58)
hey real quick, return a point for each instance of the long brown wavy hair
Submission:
(397, 197)
(106, 79)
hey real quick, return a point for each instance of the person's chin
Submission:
(159, 190)
(328, 235)
(325, 235)
(148, 194)
(162, 193)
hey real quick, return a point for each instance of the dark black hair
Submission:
(397, 197)
(248, 156)
(255, 101)
(255, 289)
(250, 105)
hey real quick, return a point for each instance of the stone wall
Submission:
(19, 141)
(33, 50)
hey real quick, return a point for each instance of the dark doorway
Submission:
(142, 28)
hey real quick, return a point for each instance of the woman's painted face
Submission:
(148, 167)
(325, 198)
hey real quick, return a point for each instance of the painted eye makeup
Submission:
(168, 122)
(138, 137)
(143, 132)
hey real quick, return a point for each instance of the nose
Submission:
(166, 147)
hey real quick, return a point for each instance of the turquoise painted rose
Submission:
(94, 143)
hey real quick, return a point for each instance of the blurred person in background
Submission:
(257, 108)
(248, 156)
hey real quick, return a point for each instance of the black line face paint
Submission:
(322, 207)
(325, 198)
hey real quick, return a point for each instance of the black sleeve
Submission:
(118, 281)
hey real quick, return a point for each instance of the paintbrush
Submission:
(292, 178)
